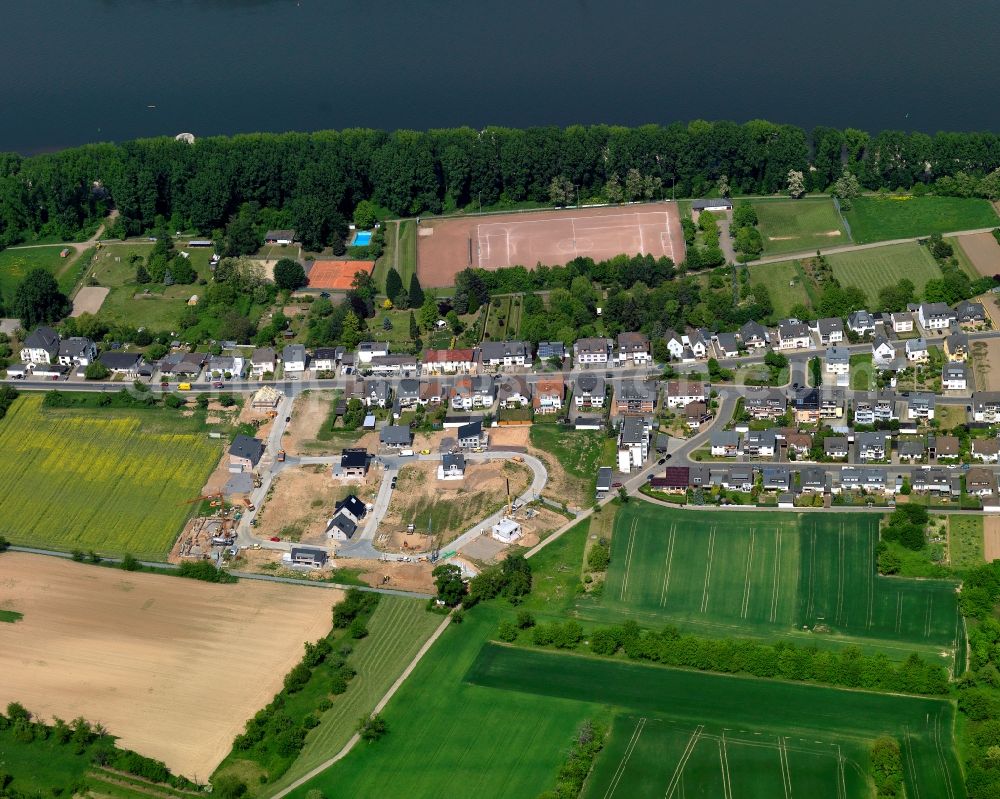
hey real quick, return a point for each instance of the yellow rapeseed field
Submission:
(109, 480)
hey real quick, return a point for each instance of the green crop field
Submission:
(109, 480)
(769, 574)
(799, 225)
(444, 732)
(874, 219)
(785, 285)
(733, 731)
(15, 264)
(872, 270)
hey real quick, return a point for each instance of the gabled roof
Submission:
(263, 355)
(293, 352)
(633, 430)
(352, 504)
(470, 430)
(752, 329)
(120, 360)
(453, 460)
(43, 338)
(75, 346)
(344, 523)
(309, 553)
(395, 435)
(353, 458)
(499, 350)
(247, 447)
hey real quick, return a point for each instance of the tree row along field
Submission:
(757, 711)
(770, 575)
(112, 481)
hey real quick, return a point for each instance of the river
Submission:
(75, 71)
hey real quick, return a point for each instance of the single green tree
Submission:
(289, 274)
(96, 371)
(393, 284)
(38, 300)
(416, 292)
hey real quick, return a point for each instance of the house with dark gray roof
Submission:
(754, 335)
(472, 435)
(77, 351)
(505, 353)
(395, 436)
(245, 453)
(813, 479)
(126, 364)
(353, 463)
(452, 466)
(830, 330)
(589, 392)
(41, 346)
(310, 557)
(970, 314)
(910, 450)
(341, 527)
(551, 349)
(352, 506)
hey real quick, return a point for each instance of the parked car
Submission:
(275, 538)
(661, 461)
(616, 485)
(217, 384)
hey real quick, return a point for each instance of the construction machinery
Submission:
(215, 500)
(281, 456)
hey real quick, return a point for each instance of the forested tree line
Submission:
(315, 181)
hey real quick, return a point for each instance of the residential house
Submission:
(986, 450)
(588, 351)
(956, 347)
(793, 334)
(699, 477)
(738, 478)
(776, 478)
(549, 393)
(986, 406)
(910, 450)
(633, 396)
(725, 443)
(347, 361)
(377, 393)
(765, 404)
(41, 346)
(506, 530)
(266, 398)
(352, 507)
(980, 482)
(675, 480)
(77, 351)
(955, 376)
(514, 392)
(603, 480)
(836, 447)
(938, 481)
(396, 364)
(126, 364)
(874, 446)
(879, 408)
(696, 341)
(477, 391)
(370, 349)
(325, 359)
(943, 447)
(970, 314)
(353, 463)
(341, 527)
(279, 237)
(633, 444)
(182, 364)
(438, 362)
(838, 360)
(830, 330)
(754, 335)
(308, 557)
(760, 443)
(727, 345)
(883, 352)
(395, 436)
(547, 350)
(681, 393)
(902, 321)
(226, 367)
(452, 466)
(807, 405)
(935, 315)
(245, 453)
(408, 392)
(294, 359)
(696, 414)
(505, 353)
(472, 435)
(675, 344)
(263, 361)
(799, 443)
(633, 347)
(813, 479)
(861, 323)
(831, 405)
(861, 478)
(920, 406)
(589, 392)
(432, 393)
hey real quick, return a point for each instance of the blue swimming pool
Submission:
(362, 238)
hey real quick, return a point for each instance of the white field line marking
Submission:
(777, 572)
(573, 226)
(708, 571)
(746, 580)
(810, 605)
(628, 558)
(685, 756)
(507, 243)
(642, 238)
(625, 758)
(841, 779)
(941, 756)
(909, 762)
(786, 775)
(727, 788)
(669, 564)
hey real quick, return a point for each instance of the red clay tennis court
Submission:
(446, 246)
(336, 275)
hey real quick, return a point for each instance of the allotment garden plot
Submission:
(113, 481)
(769, 574)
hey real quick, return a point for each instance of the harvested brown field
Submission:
(983, 251)
(89, 299)
(991, 537)
(985, 362)
(173, 667)
(447, 246)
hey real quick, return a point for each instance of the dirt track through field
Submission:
(447, 246)
(173, 667)
(991, 537)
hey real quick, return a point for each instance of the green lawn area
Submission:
(874, 219)
(784, 284)
(407, 256)
(396, 631)
(15, 264)
(110, 480)
(579, 452)
(965, 541)
(872, 270)
(775, 575)
(862, 372)
(803, 225)
(445, 732)
(710, 732)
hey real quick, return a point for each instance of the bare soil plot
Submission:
(173, 667)
(983, 251)
(985, 362)
(308, 414)
(560, 483)
(89, 299)
(991, 537)
(447, 246)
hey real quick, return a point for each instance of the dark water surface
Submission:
(73, 71)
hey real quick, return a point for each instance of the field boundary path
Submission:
(378, 709)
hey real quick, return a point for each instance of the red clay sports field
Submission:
(447, 246)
